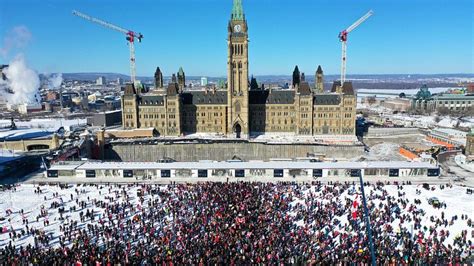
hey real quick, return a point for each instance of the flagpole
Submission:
(367, 220)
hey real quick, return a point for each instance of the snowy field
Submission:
(25, 199)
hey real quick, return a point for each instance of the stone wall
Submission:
(223, 151)
(374, 132)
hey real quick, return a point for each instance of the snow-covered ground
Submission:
(422, 121)
(24, 198)
(280, 138)
(455, 197)
(386, 151)
(461, 161)
(46, 123)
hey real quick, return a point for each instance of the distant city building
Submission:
(26, 108)
(52, 95)
(396, 104)
(241, 109)
(100, 81)
(204, 81)
(119, 81)
(106, 119)
(443, 102)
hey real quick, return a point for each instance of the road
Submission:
(458, 171)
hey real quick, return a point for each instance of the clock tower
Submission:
(237, 74)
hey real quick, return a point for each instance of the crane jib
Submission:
(130, 36)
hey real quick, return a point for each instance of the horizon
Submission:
(468, 75)
(195, 38)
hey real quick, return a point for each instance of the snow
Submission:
(422, 121)
(46, 123)
(408, 92)
(457, 201)
(8, 155)
(462, 162)
(271, 138)
(385, 151)
(455, 197)
(20, 134)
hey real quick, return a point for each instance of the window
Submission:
(355, 172)
(165, 173)
(239, 173)
(278, 173)
(202, 173)
(52, 173)
(317, 172)
(393, 172)
(127, 173)
(433, 172)
(90, 173)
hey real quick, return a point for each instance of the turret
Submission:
(181, 79)
(319, 79)
(158, 78)
(296, 76)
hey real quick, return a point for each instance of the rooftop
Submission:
(241, 165)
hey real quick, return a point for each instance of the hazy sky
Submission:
(403, 36)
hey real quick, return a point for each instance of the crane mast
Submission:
(129, 35)
(343, 35)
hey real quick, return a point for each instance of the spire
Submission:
(237, 10)
(180, 71)
(296, 76)
(158, 78)
(319, 70)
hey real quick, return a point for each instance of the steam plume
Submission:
(55, 81)
(16, 38)
(22, 81)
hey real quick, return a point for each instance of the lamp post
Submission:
(367, 219)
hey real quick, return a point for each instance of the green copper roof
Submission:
(423, 94)
(237, 10)
(181, 72)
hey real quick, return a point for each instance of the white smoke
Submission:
(55, 81)
(22, 82)
(17, 38)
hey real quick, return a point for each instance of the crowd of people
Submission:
(232, 223)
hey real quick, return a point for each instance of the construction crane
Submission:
(130, 37)
(343, 39)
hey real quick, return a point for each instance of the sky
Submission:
(402, 37)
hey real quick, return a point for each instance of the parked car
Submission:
(434, 202)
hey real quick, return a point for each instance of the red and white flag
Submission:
(354, 208)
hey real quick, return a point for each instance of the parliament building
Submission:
(241, 108)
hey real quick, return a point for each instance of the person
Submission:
(242, 223)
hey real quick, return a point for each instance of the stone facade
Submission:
(243, 108)
(470, 144)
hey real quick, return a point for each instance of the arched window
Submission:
(237, 107)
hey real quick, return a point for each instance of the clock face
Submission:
(237, 28)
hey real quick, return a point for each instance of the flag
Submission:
(354, 208)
